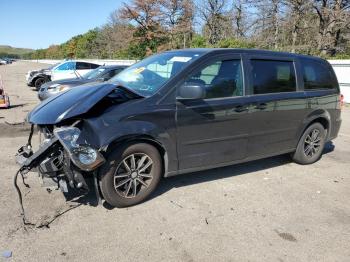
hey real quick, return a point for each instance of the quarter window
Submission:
(270, 76)
(317, 75)
(220, 79)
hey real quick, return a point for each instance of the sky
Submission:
(39, 23)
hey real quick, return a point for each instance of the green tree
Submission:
(235, 43)
(199, 41)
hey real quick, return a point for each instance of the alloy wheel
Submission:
(312, 143)
(133, 174)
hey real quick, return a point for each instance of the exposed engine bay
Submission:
(59, 161)
(60, 158)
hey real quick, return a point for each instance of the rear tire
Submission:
(131, 173)
(311, 145)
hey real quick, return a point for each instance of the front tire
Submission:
(38, 82)
(311, 145)
(131, 173)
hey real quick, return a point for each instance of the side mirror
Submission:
(191, 91)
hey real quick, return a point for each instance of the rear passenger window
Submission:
(270, 76)
(93, 66)
(85, 66)
(317, 75)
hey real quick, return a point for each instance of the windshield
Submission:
(94, 73)
(147, 76)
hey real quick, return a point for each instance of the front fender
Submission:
(103, 131)
(41, 75)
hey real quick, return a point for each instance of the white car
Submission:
(71, 69)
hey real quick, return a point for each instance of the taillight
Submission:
(341, 101)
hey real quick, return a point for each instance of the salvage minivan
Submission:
(184, 111)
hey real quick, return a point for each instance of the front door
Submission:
(214, 130)
(64, 71)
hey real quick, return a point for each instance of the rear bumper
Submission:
(335, 129)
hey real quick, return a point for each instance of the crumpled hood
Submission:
(73, 102)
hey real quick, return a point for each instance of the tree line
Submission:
(142, 27)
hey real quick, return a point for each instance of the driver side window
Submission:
(220, 79)
(66, 66)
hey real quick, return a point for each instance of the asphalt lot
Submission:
(266, 210)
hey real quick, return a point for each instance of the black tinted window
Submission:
(83, 66)
(220, 79)
(271, 76)
(317, 75)
(86, 66)
(93, 66)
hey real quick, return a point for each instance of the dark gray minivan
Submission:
(183, 111)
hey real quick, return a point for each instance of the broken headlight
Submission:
(83, 156)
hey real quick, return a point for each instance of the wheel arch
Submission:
(141, 139)
(35, 78)
(46, 77)
(318, 116)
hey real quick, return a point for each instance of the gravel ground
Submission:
(266, 210)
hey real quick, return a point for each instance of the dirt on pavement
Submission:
(265, 210)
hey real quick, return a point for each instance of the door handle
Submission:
(261, 106)
(240, 109)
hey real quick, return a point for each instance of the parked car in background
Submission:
(6, 60)
(72, 69)
(100, 74)
(184, 111)
(35, 78)
(64, 70)
(3, 61)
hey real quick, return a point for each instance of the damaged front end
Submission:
(60, 159)
(67, 155)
